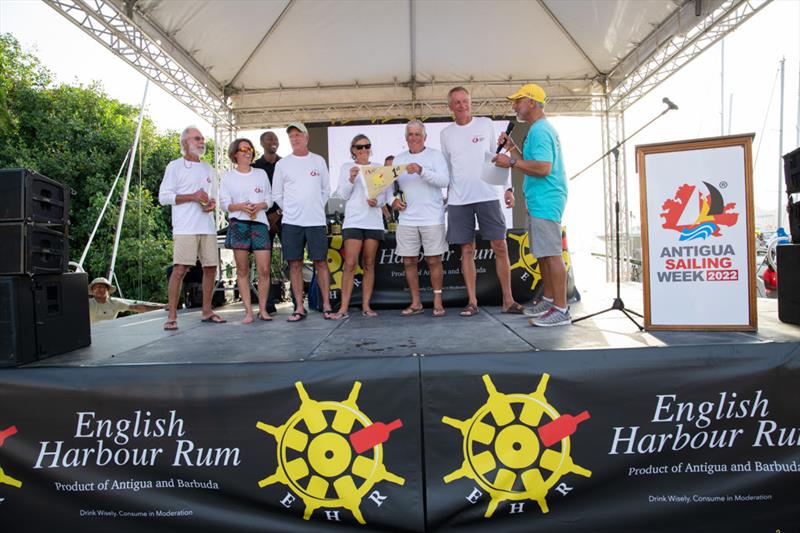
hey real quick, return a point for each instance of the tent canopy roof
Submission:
(265, 63)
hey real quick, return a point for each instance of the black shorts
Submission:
(294, 240)
(363, 234)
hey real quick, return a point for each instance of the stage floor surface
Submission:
(140, 339)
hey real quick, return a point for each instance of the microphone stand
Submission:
(618, 304)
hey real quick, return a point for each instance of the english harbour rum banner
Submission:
(248, 447)
(670, 439)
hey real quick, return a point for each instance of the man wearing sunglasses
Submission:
(190, 186)
(464, 144)
(301, 189)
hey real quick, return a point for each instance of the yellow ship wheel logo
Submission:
(5, 478)
(516, 457)
(316, 460)
(527, 261)
(336, 262)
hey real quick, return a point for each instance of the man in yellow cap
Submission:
(103, 307)
(545, 188)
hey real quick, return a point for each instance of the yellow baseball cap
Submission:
(532, 91)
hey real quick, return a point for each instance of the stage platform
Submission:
(140, 339)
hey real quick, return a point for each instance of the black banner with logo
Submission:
(668, 439)
(391, 291)
(249, 447)
(696, 439)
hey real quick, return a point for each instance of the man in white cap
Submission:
(464, 143)
(190, 186)
(301, 188)
(103, 307)
(545, 189)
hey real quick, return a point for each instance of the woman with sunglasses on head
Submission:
(362, 230)
(245, 194)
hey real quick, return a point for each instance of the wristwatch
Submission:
(512, 162)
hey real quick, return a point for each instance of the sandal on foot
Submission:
(410, 311)
(296, 317)
(213, 318)
(340, 316)
(265, 318)
(470, 310)
(513, 309)
(369, 314)
(438, 311)
(327, 314)
(170, 325)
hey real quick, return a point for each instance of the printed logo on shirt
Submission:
(258, 190)
(314, 173)
(208, 179)
(478, 139)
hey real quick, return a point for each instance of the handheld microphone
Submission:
(670, 103)
(509, 129)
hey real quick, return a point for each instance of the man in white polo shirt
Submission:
(421, 206)
(301, 189)
(464, 144)
(190, 186)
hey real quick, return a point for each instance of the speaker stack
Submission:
(44, 310)
(789, 254)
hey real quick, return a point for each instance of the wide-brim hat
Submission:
(102, 281)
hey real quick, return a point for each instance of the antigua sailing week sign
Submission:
(697, 234)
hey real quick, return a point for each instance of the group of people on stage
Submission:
(271, 196)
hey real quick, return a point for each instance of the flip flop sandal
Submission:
(411, 311)
(369, 314)
(327, 314)
(300, 316)
(213, 319)
(514, 309)
(438, 312)
(171, 325)
(261, 317)
(469, 310)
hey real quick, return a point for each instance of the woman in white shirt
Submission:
(362, 231)
(245, 194)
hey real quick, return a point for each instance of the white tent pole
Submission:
(722, 89)
(780, 152)
(103, 211)
(127, 184)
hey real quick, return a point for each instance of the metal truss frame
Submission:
(105, 22)
(676, 42)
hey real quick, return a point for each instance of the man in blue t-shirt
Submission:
(545, 188)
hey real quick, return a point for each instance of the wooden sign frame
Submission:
(704, 291)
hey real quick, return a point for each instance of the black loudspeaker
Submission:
(42, 316)
(789, 283)
(32, 249)
(791, 171)
(26, 195)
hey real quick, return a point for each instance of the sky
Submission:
(752, 92)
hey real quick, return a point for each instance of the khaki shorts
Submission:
(411, 238)
(187, 249)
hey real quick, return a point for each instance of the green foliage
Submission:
(79, 136)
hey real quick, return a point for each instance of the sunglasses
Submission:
(245, 150)
(362, 146)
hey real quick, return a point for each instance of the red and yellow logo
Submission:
(712, 212)
(516, 446)
(330, 453)
(5, 478)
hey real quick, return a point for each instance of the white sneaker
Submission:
(553, 317)
(538, 309)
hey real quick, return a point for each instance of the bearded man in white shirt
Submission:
(189, 186)
(464, 144)
(421, 206)
(301, 188)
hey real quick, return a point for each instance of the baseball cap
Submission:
(299, 126)
(532, 91)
